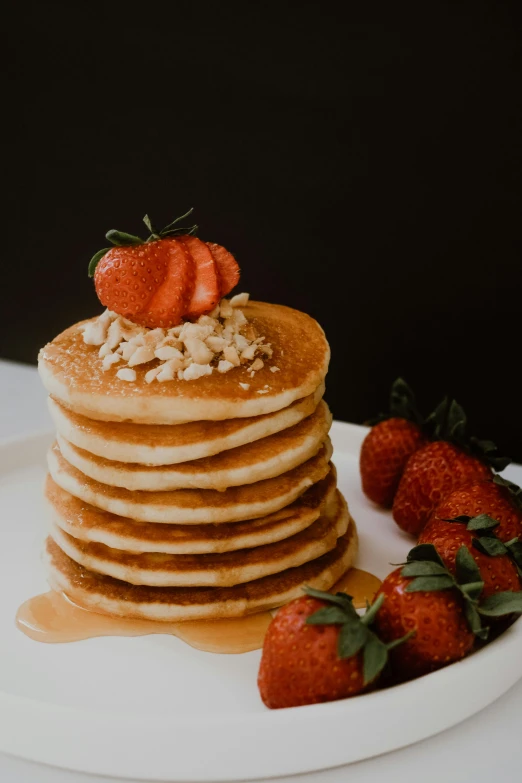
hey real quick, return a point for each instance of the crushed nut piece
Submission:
(239, 300)
(275, 369)
(230, 354)
(151, 374)
(125, 374)
(219, 341)
(196, 371)
(141, 355)
(109, 360)
(245, 386)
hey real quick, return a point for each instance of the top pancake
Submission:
(72, 372)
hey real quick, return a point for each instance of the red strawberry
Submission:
(444, 611)
(170, 301)
(159, 281)
(389, 444)
(384, 454)
(499, 498)
(228, 270)
(437, 618)
(206, 293)
(431, 474)
(318, 649)
(498, 571)
(127, 278)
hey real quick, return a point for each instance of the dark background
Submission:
(363, 163)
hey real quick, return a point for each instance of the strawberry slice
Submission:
(168, 304)
(206, 291)
(228, 269)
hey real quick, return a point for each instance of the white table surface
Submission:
(486, 747)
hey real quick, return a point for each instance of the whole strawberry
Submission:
(444, 612)
(389, 444)
(318, 649)
(499, 498)
(439, 468)
(170, 276)
(497, 562)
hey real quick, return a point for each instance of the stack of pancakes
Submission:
(196, 499)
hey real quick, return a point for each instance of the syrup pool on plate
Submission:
(51, 617)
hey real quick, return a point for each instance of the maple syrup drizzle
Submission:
(53, 618)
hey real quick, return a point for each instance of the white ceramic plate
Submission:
(153, 708)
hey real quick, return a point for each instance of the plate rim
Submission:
(55, 730)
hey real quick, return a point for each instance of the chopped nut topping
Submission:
(219, 341)
(126, 375)
(239, 300)
(275, 369)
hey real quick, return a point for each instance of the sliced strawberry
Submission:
(206, 292)
(228, 269)
(168, 304)
(127, 278)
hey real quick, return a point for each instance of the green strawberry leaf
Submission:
(181, 231)
(482, 522)
(423, 568)
(93, 263)
(397, 642)
(499, 604)
(514, 548)
(339, 599)
(514, 490)
(486, 446)
(174, 223)
(153, 233)
(371, 611)
(424, 552)
(352, 637)
(490, 545)
(472, 590)
(375, 658)
(327, 615)
(474, 621)
(499, 463)
(428, 583)
(121, 238)
(402, 402)
(456, 421)
(466, 567)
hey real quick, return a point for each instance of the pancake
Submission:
(71, 372)
(193, 506)
(161, 444)
(262, 459)
(90, 524)
(111, 596)
(219, 570)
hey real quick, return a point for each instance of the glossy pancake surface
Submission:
(229, 568)
(262, 459)
(90, 524)
(168, 444)
(193, 506)
(111, 596)
(71, 372)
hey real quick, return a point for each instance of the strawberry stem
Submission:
(122, 239)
